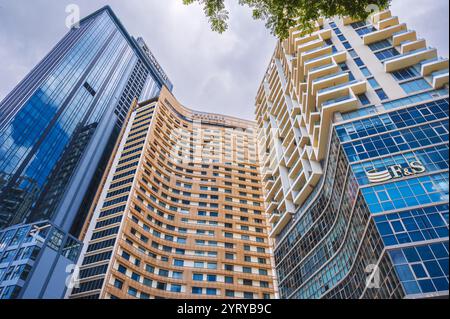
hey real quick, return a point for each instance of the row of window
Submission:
(178, 289)
(414, 225)
(198, 277)
(393, 120)
(407, 193)
(423, 269)
(126, 174)
(202, 205)
(393, 142)
(396, 104)
(384, 51)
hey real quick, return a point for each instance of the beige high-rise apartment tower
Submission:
(180, 213)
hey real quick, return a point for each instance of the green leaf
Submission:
(281, 15)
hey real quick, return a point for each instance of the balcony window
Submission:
(405, 74)
(416, 85)
(161, 286)
(122, 269)
(248, 295)
(178, 263)
(118, 284)
(440, 72)
(196, 290)
(135, 276)
(337, 31)
(147, 282)
(380, 45)
(387, 54)
(365, 30)
(175, 288)
(263, 272)
(359, 24)
(211, 291)
(336, 100)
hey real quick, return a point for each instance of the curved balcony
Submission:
(440, 78)
(433, 65)
(293, 158)
(271, 208)
(299, 39)
(349, 20)
(317, 53)
(410, 46)
(282, 221)
(384, 34)
(337, 58)
(310, 46)
(330, 80)
(313, 179)
(274, 217)
(382, 15)
(403, 36)
(388, 22)
(277, 186)
(322, 70)
(297, 176)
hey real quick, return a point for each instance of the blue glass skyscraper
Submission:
(57, 130)
(55, 125)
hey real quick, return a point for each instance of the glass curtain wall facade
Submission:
(181, 211)
(57, 131)
(353, 129)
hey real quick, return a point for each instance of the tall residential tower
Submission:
(180, 213)
(57, 130)
(353, 124)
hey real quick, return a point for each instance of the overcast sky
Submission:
(211, 72)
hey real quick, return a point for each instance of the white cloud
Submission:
(428, 18)
(211, 72)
